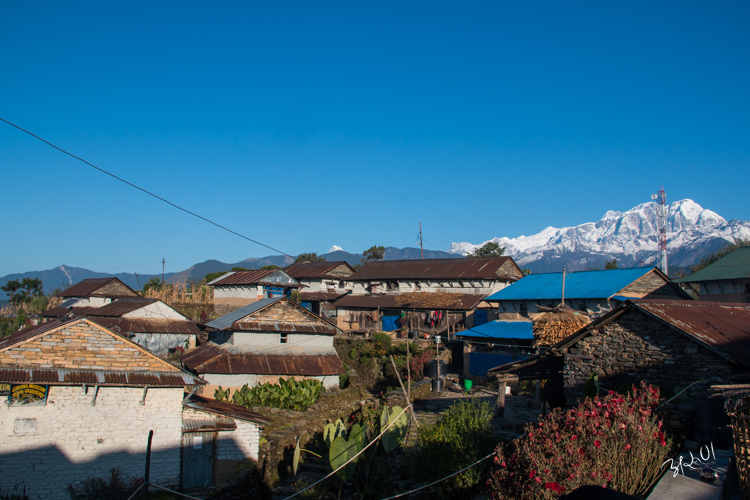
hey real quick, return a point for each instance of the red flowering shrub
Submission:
(614, 441)
(419, 362)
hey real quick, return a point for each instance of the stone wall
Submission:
(68, 440)
(114, 289)
(636, 347)
(83, 346)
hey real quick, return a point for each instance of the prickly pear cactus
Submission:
(397, 431)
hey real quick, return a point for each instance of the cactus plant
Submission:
(397, 431)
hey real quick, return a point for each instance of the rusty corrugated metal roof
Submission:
(208, 424)
(88, 287)
(147, 325)
(211, 358)
(116, 308)
(431, 300)
(434, 269)
(721, 326)
(285, 326)
(315, 269)
(226, 409)
(56, 312)
(59, 376)
(266, 277)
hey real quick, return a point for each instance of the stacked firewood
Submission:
(552, 327)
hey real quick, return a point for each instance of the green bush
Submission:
(382, 343)
(96, 488)
(461, 437)
(289, 394)
(344, 378)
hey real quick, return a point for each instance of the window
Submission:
(284, 339)
(524, 309)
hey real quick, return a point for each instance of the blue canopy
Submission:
(579, 285)
(521, 330)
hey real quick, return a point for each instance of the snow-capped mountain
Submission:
(335, 248)
(630, 237)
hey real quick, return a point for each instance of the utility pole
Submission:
(563, 288)
(163, 261)
(420, 240)
(662, 214)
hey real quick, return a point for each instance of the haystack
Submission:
(554, 325)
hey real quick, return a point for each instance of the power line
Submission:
(146, 191)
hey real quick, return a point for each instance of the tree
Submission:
(267, 268)
(154, 283)
(489, 249)
(23, 291)
(610, 264)
(374, 253)
(309, 257)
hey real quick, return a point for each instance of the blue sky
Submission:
(309, 124)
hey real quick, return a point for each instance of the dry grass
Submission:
(189, 303)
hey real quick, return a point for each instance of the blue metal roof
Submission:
(522, 330)
(228, 319)
(580, 285)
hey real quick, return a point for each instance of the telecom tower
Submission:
(662, 212)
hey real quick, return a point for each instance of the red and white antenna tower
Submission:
(662, 213)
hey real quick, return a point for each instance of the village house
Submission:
(481, 276)
(240, 288)
(435, 296)
(95, 292)
(323, 283)
(668, 343)
(726, 280)
(263, 341)
(81, 400)
(592, 292)
(150, 323)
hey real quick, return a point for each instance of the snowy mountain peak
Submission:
(335, 248)
(630, 237)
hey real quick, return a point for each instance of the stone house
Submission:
(268, 339)
(95, 292)
(240, 288)
(81, 400)
(323, 283)
(726, 280)
(669, 343)
(592, 292)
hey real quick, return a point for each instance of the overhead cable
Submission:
(146, 191)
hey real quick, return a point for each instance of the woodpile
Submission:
(552, 327)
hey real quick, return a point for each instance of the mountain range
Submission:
(630, 237)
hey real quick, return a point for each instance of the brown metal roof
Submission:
(431, 300)
(211, 358)
(285, 326)
(225, 409)
(147, 325)
(482, 268)
(321, 296)
(315, 269)
(56, 312)
(60, 376)
(251, 278)
(116, 308)
(88, 287)
(721, 326)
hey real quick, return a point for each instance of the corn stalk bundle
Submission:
(552, 327)
(429, 300)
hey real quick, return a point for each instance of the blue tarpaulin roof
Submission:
(522, 330)
(580, 285)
